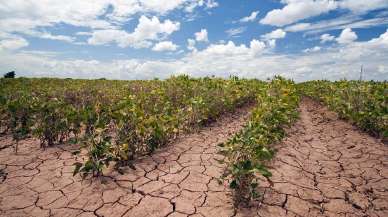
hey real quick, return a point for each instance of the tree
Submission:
(10, 74)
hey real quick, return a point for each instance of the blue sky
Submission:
(143, 39)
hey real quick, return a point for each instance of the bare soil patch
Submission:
(325, 167)
(177, 180)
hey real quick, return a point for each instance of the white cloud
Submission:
(234, 32)
(272, 43)
(342, 22)
(257, 46)
(50, 36)
(327, 38)
(347, 36)
(363, 6)
(200, 3)
(382, 69)
(191, 44)
(221, 60)
(314, 49)
(165, 46)
(250, 18)
(230, 49)
(201, 35)
(382, 39)
(276, 34)
(29, 17)
(150, 28)
(146, 31)
(26, 15)
(84, 33)
(161, 6)
(298, 27)
(106, 19)
(120, 37)
(12, 43)
(211, 4)
(296, 10)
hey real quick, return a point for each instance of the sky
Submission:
(146, 39)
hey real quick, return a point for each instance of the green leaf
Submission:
(233, 184)
(247, 165)
(77, 168)
(73, 141)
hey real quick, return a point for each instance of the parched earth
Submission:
(325, 167)
(177, 180)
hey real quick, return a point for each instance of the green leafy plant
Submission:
(140, 116)
(365, 103)
(53, 126)
(20, 122)
(98, 145)
(248, 152)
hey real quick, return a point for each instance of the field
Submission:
(193, 146)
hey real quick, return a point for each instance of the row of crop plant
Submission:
(249, 151)
(115, 120)
(365, 103)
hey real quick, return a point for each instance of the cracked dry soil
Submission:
(177, 180)
(325, 167)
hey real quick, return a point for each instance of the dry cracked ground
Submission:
(325, 167)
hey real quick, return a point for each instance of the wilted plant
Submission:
(20, 122)
(98, 146)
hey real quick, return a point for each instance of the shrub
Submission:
(10, 74)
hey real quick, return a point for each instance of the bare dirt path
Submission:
(178, 180)
(326, 167)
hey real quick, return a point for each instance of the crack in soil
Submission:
(325, 167)
(332, 169)
(174, 180)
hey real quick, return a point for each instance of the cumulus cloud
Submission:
(146, 31)
(191, 44)
(221, 60)
(28, 17)
(298, 27)
(342, 22)
(313, 49)
(13, 43)
(104, 22)
(296, 10)
(201, 35)
(200, 3)
(50, 36)
(327, 38)
(363, 6)
(276, 34)
(256, 46)
(347, 36)
(230, 49)
(382, 39)
(272, 43)
(165, 46)
(249, 18)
